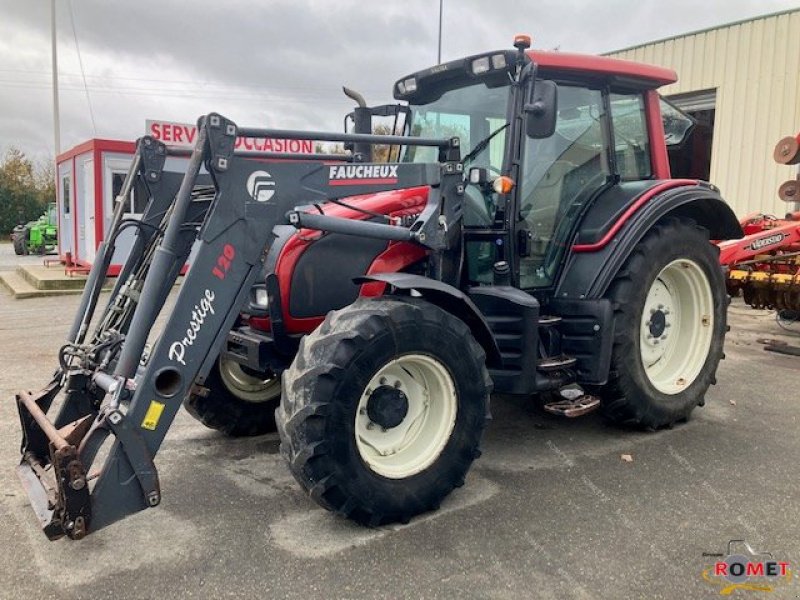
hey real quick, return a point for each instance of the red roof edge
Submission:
(603, 65)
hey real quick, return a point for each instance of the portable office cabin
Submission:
(89, 177)
(91, 174)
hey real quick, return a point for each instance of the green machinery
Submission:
(40, 236)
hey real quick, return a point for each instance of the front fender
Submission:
(593, 264)
(449, 299)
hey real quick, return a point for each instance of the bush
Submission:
(25, 189)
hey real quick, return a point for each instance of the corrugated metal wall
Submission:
(755, 67)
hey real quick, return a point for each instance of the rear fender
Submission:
(592, 265)
(448, 298)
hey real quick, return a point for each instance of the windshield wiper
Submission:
(481, 146)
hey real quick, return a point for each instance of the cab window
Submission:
(631, 142)
(559, 175)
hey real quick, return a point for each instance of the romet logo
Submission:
(362, 174)
(260, 186)
(754, 571)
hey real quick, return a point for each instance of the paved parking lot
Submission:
(549, 511)
(10, 261)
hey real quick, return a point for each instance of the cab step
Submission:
(555, 363)
(549, 320)
(573, 407)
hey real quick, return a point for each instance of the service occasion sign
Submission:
(183, 134)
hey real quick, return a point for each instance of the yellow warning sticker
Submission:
(153, 415)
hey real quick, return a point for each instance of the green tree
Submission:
(24, 189)
(380, 152)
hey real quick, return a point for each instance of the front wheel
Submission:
(383, 409)
(236, 402)
(670, 306)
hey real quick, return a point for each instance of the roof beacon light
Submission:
(480, 65)
(522, 41)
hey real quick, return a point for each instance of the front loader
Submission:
(528, 240)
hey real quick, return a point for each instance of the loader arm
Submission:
(114, 390)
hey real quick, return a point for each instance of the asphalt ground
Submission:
(10, 261)
(551, 510)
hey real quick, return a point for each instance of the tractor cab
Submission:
(542, 134)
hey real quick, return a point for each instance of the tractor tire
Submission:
(670, 311)
(20, 244)
(383, 409)
(237, 403)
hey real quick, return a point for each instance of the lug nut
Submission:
(382, 381)
(370, 425)
(362, 411)
(397, 384)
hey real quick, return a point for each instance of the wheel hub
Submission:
(658, 323)
(387, 407)
(405, 416)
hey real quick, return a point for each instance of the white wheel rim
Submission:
(245, 386)
(677, 326)
(417, 441)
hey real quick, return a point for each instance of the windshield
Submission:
(472, 113)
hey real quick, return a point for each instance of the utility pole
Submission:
(439, 55)
(53, 46)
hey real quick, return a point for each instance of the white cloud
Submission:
(281, 63)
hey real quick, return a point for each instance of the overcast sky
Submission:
(280, 63)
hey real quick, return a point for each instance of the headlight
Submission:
(480, 65)
(259, 300)
(499, 61)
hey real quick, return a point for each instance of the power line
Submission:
(80, 62)
(200, 94)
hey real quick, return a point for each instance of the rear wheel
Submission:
(383, 409)
(20, 242)
(238, 403)
(669, 327)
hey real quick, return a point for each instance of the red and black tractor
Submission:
(528, 240)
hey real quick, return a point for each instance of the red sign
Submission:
(182, 134)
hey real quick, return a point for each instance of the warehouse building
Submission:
(741, 82)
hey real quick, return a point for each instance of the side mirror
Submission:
(541, 111)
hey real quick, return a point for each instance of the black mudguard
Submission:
(449, 299)
(587, 275)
